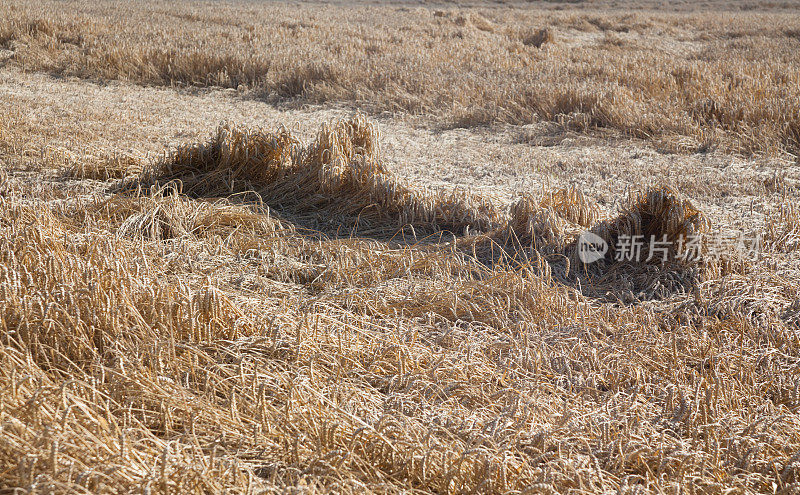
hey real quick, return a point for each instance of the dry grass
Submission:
(783, 229)
(549, 220)
(689, 81)
(282, 311)
(543, 236)
(341, 174)
(658, 214)
(539, 37)
(168, 215)
(535, 224)
(102, 167)
(162, 342)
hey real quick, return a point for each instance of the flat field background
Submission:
(308, 247)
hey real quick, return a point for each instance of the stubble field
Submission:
(313, 247)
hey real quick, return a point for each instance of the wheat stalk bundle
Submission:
(341, 172)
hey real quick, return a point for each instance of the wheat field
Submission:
(251, 247)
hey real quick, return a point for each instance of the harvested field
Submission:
(725, 78)
(309, 248)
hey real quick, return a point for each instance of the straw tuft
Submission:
(340, 174)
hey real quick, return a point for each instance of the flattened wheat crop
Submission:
(192, 335)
